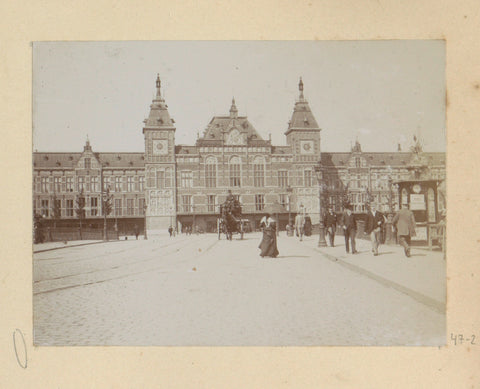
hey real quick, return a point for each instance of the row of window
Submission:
(235, 149)
(186, 177)
(187, 202)
(89, 184)
(69, 207)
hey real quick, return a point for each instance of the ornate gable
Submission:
(88, 160)
(230, 130)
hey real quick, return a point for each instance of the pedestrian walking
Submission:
(349, 225)
(136, 231)
(170, 231)
(300, 225)
(373, 227)
(404, 222)
(268, 245)
(330, 223)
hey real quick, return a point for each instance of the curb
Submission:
(73, 245)
(431, 303)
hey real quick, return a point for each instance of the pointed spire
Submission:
(302, 117)
(158, 84)
(233, 109)
(159, 116)
(300, 88)
(358, 147)
(87, 146)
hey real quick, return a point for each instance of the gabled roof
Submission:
(220, 126)
(185, 150)
(69, 160)
(302, 117)
(159, 116)
(281, 150)
(381, 159)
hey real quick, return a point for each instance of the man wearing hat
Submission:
(404, 221)
(349, 225)
(330, 223)
(373, 227)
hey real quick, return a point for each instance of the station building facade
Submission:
(180, 185)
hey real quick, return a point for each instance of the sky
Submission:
(380, 93)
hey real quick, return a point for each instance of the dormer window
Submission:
(88, 163)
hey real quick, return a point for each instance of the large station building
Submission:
(179, 185)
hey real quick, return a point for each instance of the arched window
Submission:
(235, 172)
(259, 172)
(160, 179)
(151, 177)
(168, 177)
(211, 172)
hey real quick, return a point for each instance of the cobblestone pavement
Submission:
(201, 291)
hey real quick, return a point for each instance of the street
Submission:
(200, 291)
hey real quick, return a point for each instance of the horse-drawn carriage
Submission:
(230, 220)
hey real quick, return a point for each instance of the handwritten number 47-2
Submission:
(460, 339)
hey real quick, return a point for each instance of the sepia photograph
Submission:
(239, 193)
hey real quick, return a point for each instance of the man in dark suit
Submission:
(330, 223)
(404, 221)
(373, 227)
(349, 225)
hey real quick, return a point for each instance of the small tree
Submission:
(106, 210)
(108, 203)
(346, 197)
(56, 211)
(80, 209)
(368, 199)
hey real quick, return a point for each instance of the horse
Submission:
(230, 220)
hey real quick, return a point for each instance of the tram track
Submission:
(126, 254)
(119, 268)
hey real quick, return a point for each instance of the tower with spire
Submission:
(233, 110)
(303, 138)
(303, 133)
(159, 133)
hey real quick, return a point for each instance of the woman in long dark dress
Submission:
(268, 245)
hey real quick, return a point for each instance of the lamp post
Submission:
(289, 192)
(103, 199)
(321, 227)
(145, 220)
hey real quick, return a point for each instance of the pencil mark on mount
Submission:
(18, 341)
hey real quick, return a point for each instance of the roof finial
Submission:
(233, 109)
(158, 84)
(87, 146)
(300, 88)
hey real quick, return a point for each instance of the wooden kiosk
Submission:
(422, 197)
